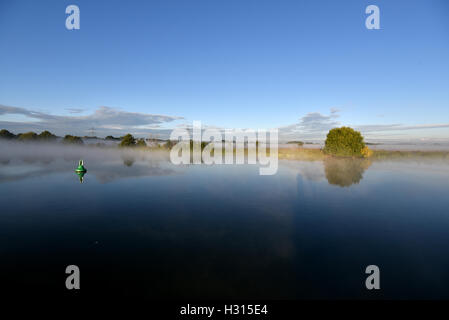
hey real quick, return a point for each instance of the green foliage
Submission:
(72, 139)
(46, 136)
(367, 152)
(5, 134)
(344, 142)
(169, 144)
(141, 143)
(111, 138)
(299, 143)
(202, 145)
(29, 136)
(128, 141)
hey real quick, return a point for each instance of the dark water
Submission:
(140, 227)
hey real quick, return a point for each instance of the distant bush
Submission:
(299, 143)
(202, 145)
(141, 143)
(29, 136)
(367, 152)
(128, 141)
(169, 144)
(72, 139)
(345, 142)
(5, 134)
(111, 138)
(46, 136)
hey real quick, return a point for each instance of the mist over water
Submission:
(25, 160)
(139, 226)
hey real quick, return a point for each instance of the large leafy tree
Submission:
(345, 142)
(72, 139)
(141, 143)
(29, 136)
(5, 134)
(128, 141)
(47, 136)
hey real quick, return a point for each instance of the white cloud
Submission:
(105, 120)
(396, 127)
(313, 125)
(75, 110)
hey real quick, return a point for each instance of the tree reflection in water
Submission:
(345, 172)
(128, 161)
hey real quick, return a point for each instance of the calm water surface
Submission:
(140, 227)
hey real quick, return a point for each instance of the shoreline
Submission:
(306, 152)
(309, 154)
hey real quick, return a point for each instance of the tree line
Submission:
(344, 141)
(46, 136)
(28, 136)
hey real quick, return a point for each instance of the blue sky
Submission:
(307, 65)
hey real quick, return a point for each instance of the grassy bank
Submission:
(301, 154)
(318, 155)
(390, 154)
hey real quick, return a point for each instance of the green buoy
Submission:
(81, 167)
(81, 171)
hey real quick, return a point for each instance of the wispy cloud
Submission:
(313, 125)
(105, 120)
(75, 110)
(334, 110)
(396, 127)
